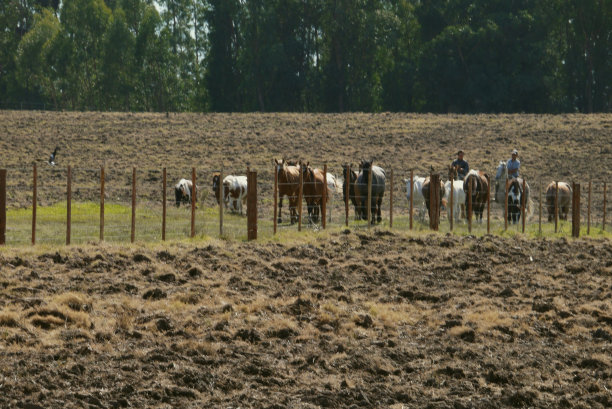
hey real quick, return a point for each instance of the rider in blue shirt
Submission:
(513, 165)
(461, 166)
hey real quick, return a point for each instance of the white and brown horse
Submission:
(478, 182)
(515, 194)
(564, 201)
(234, 191)
(183, 191)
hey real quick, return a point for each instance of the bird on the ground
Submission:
(51, 160)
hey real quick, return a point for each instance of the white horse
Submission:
(417, 195)
(458, 198)
(332, 188)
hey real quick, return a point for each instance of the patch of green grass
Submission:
(85, 227)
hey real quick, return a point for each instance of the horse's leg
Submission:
(378, 212)
(280, 206)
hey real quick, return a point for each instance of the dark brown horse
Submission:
(378, 190)
(314, 186)
(349, 174)
(564, 203)
(479, 182)
(288, 185)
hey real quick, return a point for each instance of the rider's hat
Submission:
(514, 152)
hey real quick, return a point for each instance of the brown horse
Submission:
(564, 203)
(313, 187)
(479, 182)
(426, 195)
(288, 185)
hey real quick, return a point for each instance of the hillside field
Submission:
(343, 318)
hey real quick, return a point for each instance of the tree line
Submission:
(463, 56)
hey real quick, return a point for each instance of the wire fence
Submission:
(89, 207)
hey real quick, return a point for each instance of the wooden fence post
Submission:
(275, 197)
(469, 209)
(603, 224)
(221, 202)
(34, 203)
(68, 205)
(251, 205)
(324, 198)
(434, 201)
(347, 192)
(589, 210)
(164, 200)
(133, 231)
(300, 192)
(391, 202)
(411, 194)
(540, 214)
(523, 205)
(2, 207)
(193, 201)
(102, 177)
(370, 197)
(556, 205)
(576, 210)
(489, 206)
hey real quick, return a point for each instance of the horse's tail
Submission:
(529, 209)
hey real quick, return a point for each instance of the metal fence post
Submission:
(589, 210)
(300, 193)
(370, 197)
(411, 195)
(324, 198)
(193, 201)
(68, 205)
(133, 230)
(576, 210)
(275, 197)
(347, 188)
(221, 201)
(34, 203)
(2, 206)
(251, 205)
(469, 209)
(391, 202)
(102, 203)
(556, 205)
(164, 200)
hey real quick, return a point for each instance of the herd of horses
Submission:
(319, 187)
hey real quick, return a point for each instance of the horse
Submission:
(479, 182)
(378, 190)
(458, 193)
(426, 191)
(183, 191)
(288, 185)
(313, 188)
(501, 176)
(417, 194)
(349, 174)
(564, 203)
(458, 198)
(234, 191)
(332, 188)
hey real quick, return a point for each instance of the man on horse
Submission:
(513, 165)
(460, 166)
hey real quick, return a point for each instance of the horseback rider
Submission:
(461, 166)
(513, 165)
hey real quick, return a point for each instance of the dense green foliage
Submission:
(307, 55)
